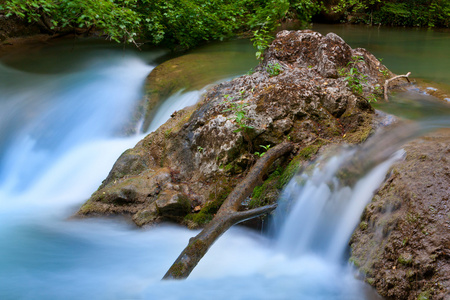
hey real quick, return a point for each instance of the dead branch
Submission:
(386, 83)
(228, 215)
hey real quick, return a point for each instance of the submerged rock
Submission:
(298, 93)
(402, 245)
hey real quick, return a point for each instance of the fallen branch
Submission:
(227, 215)
(386, 83)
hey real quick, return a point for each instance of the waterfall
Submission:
(318, 211)
(60, 135)
(55, 124)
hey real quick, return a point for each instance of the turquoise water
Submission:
(423, 52)
(62, 112)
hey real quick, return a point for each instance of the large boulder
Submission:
(402, 244)
(298, 93)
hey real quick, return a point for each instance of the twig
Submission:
(386, 83)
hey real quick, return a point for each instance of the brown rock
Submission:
(205, 149)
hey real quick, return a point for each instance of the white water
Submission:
(319, 215)
(59, 140)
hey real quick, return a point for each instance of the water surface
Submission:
(62, 112)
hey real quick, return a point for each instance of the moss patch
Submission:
(208, 211)
(268, 192)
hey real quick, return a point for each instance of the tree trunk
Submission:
(228, 215)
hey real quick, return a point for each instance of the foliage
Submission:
(185, 23)
(268, 15)
(261, 40)
(261, 154)
(306, 9)
(175, 23)
(117, 19)
(424, 13)
(273, 69)
(353, 77)
(353, 6)
(238, 108)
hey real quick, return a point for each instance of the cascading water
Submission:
(322, 210)
(60, 135)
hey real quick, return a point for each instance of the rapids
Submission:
(60, 133)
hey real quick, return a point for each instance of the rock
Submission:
(204, 150)
(404, 251)
(173, 204)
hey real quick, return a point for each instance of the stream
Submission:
(63, 110)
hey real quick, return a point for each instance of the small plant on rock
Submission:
(274, 69)
(262, 38)
(239, 110)
(353, 76)
(385, 72)
(266, 148)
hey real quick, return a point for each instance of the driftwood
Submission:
(386, 84)
(228, 215)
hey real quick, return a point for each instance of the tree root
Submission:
(228, 215)
(386, 83)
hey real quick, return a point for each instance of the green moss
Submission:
(199, 218)
(208, 211)
(262, 194)
(308, 151)
(167, 133)
(425, 295)
(196, 248)
(257, 191)
(370, 281)
(229, 167)
(405, 259)
(87, 208)
(177, 269)
(412, 218)
(294, 165)
(290, 171)
(144, 217)
(353, 260)
(363, 225)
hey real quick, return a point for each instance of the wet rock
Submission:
(404, 251)
(173, 204)
(206, 149)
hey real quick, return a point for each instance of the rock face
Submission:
(402, 244)
(184, 170)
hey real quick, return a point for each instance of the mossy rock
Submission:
(206, 214)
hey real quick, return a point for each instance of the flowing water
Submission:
(61, 130)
